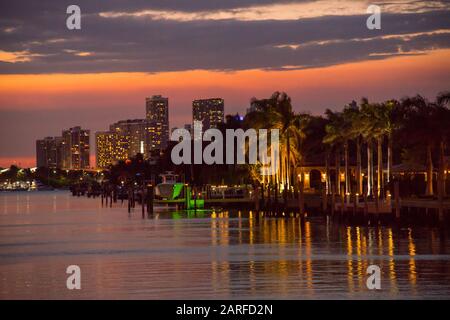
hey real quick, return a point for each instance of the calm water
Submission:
(227, 255)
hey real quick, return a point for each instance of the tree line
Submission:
(411, 130)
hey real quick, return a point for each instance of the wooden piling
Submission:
(129, 200)
(142, 201)
(256, 198)
(324, 200)
(150, 199)
(377, 204)
(195, 198)
(441, 199)
(187, 196)
(366, 205)
(301, 200)
(397, 199)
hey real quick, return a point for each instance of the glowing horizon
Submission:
(312, 90)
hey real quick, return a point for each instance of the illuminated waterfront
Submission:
(229, 255)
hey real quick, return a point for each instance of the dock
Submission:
(348, 206)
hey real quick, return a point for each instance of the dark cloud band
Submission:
(40, 42)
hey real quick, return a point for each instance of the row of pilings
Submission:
(268, 201)
(353, 208)
(135, 196)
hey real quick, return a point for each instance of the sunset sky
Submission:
(320, 52)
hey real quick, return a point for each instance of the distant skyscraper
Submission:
(49, 152)
(75, 148)
(157, 112)
(125, 139)
(135, 135)
(209, 111)
(42, 155)
(110, 148)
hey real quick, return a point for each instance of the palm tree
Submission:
(383, 127)
(355, 116)
(353, 131)
(375, 125)
(368, 134)
(347, 134)
(336, 139)
(278, 114)
(290, 125)
(393, 123)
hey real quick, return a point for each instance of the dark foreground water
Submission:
(228, 255)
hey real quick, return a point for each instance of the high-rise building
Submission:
(157, 112)
(209, 111)
(49, 152)
(75, 148)
(110, 148)
(125, 139)
(133, 135)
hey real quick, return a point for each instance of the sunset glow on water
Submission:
(229, 255)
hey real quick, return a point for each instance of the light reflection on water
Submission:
(229, 255)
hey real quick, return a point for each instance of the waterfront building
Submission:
(110, 148)
(157, 113)
(49, 152)
(132, 135)
(75, 147)
(125, 139)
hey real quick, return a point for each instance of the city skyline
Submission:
(31, 161)
(70, 151)
(125, 138)
(319, 52)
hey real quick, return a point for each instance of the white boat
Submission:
(165, 189)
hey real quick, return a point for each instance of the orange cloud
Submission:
(318, 86)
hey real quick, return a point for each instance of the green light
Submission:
(199, 203)
(177, 188)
